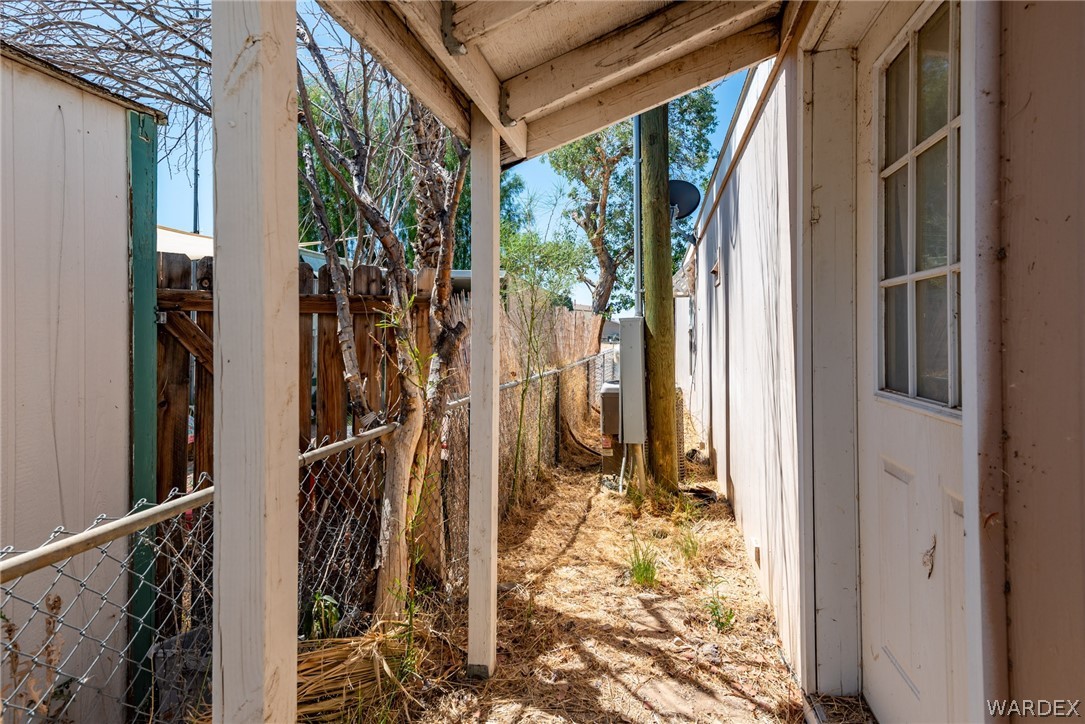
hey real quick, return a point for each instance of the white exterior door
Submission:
(911, 525)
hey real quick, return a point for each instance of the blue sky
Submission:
(175, 192)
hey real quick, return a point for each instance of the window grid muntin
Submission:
(908, 42)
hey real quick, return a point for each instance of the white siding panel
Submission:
(65, 262)
(65, 349)
(7, 303)
(105, 309)
(750, 330)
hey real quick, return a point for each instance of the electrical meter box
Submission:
(634, 427)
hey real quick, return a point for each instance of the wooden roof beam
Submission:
(470, 71)
(671, 33)
(659, 85)
(384, 34)
(471, 21)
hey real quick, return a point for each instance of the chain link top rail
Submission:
(27, 562)
(534, 378)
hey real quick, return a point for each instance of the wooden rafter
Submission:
(659, 85)
(398, 48)
(671, 33)
(469, 71)
(471, 21)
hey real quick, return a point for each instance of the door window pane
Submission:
(896, 108)
(896, 338)
(920, 212)
(932, 339)
(931, 200)
(933, 75)
(896, 224)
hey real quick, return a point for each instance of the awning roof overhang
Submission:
(547, 72)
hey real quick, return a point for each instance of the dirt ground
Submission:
(578, 640)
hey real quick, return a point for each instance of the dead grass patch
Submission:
(578, 642)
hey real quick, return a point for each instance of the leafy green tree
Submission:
(599, 170)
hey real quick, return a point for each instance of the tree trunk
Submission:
(393, 552)
(659, 301)
(600, 295)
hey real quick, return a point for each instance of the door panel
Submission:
(911, 530)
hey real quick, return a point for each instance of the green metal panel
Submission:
(142, 233)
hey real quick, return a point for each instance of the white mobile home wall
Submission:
(746, 341)
(65, 347)
(780, 359)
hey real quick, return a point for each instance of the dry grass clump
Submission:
(30, 682)
(842, 709)
(341, 679)
(351, 680)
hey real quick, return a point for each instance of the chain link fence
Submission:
(339, 517)
(114, 623)
(111, 623)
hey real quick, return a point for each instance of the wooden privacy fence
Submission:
(186, 362)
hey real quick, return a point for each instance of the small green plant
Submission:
(323, 616)
(685, 509)
(723, 617)
(642, 564)
(689, 544)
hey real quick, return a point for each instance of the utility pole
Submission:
(658, 299)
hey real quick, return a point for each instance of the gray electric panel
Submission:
(631, 375)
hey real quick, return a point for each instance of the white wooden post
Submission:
(485, 356)
(983, 479)
(256, 361)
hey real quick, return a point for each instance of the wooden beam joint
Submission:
(452, 44)
(192, 338)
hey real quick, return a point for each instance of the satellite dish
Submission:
(684, 197)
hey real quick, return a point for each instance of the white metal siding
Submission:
(749, 337)
(64, 309)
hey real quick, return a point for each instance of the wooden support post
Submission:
(658, 299)
(142, 178)
(485, 358)
(256, 361)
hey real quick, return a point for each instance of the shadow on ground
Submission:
(578, 642)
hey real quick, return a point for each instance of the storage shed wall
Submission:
(64, 309)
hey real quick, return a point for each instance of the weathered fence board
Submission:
(204, 443)
(331, 396)
(191, 300)
(174, 271)
(186, 304)
(305, 362)
(203, 451)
